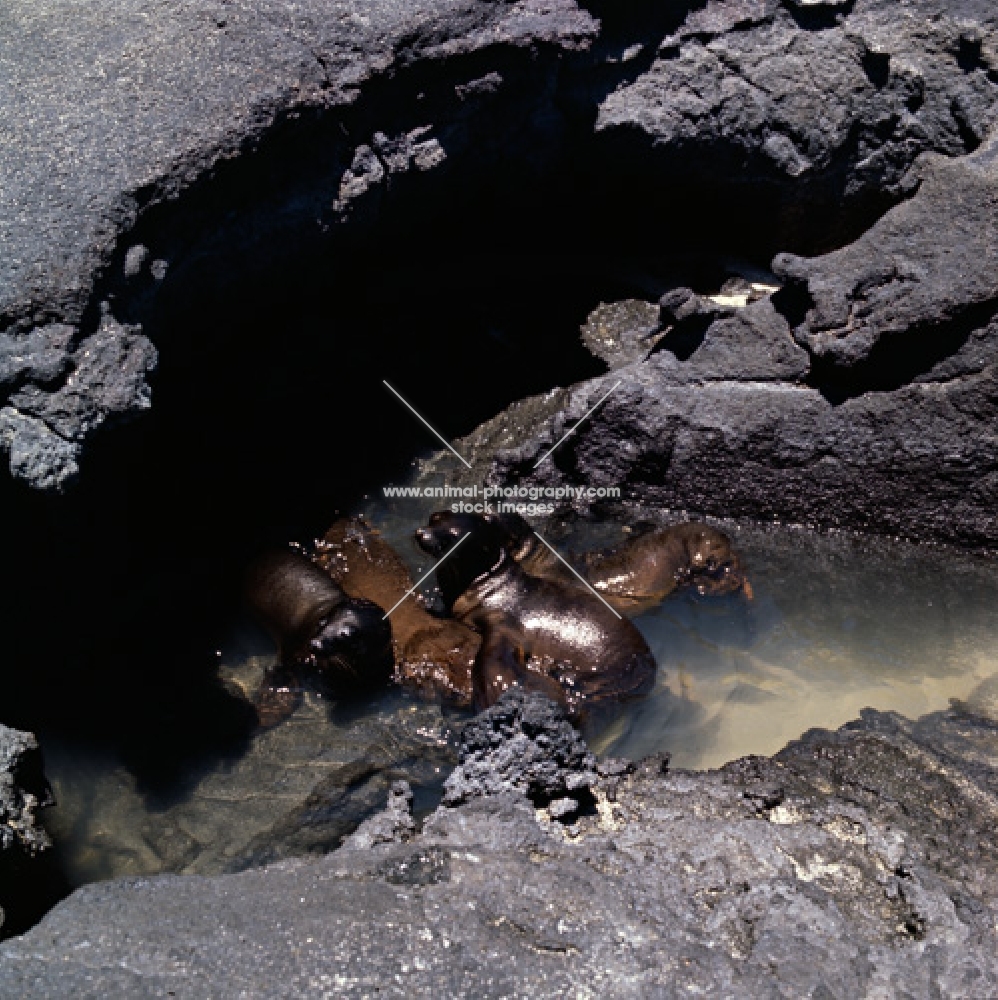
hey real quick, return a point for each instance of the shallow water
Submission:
(837, 623)
(293, 790)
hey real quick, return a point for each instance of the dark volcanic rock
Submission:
(864, 394)
(845, 95)
(24, 791)
(859, 862)
(113, 115)
(523, 743)
(393, 824)
(815, 112)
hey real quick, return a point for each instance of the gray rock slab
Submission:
(853, 863)
(868, 403)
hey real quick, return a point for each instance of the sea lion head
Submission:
(712, 565)
(474, 546)
(352, 647)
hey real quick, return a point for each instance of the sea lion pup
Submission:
(433, 656)
(558, 640)
(650, 566)
(346, 641)
(646, 568)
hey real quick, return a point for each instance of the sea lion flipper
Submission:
(500, 665)
(277, 699)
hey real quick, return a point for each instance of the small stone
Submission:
(614, 767)
(563, 808)
(135, 260)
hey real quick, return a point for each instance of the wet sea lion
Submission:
(318, 627)
(536, 632)
(433, 656)
(646, 568)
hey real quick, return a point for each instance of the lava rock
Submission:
(863, 395)
(24, 792)
(392, 825)
(523, 743)
(145, 102)
(621, 332)
(851, 859)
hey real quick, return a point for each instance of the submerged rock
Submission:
(852, 862)
(295, 790)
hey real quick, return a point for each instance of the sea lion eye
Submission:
(711, 564)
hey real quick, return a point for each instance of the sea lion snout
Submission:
(445, 529)
(353, 645)
(427, 541)
(713, 565)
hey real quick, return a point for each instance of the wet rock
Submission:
(295, 790)
(852, 860)
(982, 701)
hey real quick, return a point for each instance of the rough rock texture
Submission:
(863, 394)
(113, 114)
(23, 793)
(807, 91)
(856, 863)
(391, 825)
(819, 111)
(522, 744)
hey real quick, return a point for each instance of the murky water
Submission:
(295, 789)
(837, 623)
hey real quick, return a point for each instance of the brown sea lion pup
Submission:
(319, 628)
(638, 574)
(558, 640)
(646, 568)
(433, 656)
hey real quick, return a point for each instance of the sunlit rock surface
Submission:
(856, 861)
